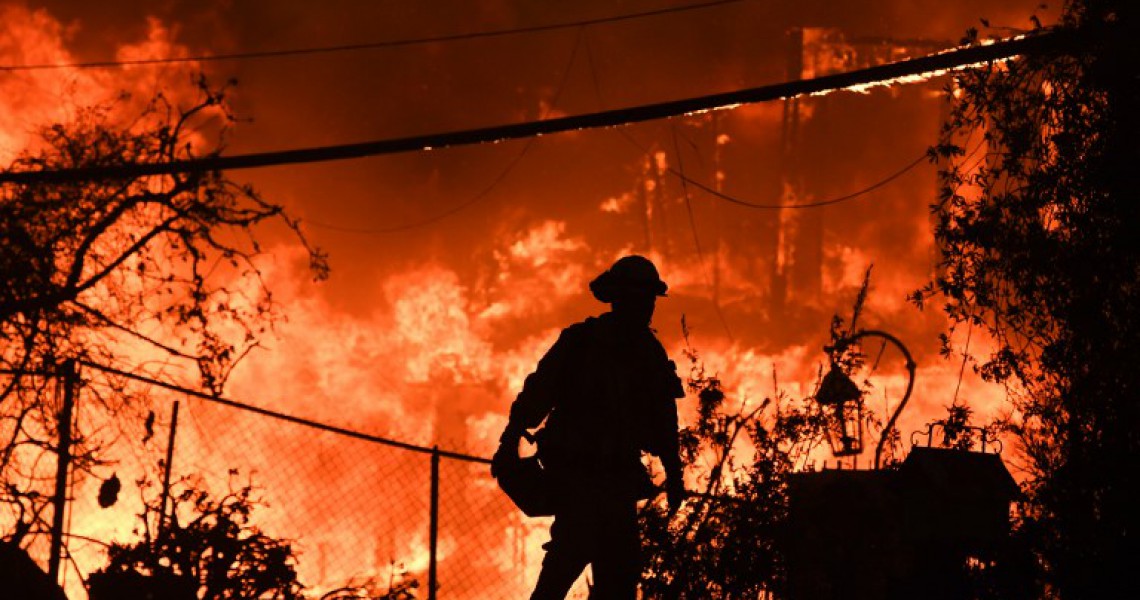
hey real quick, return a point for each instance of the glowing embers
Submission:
(842, 403)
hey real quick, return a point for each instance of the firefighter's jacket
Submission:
(607, 392)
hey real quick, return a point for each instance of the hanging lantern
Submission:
(842, 404)
(841, 401)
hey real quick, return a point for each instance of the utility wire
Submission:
(927, 65)
(816, 204)
(366, 45)
(486, 191)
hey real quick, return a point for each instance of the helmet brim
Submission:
(608, 288)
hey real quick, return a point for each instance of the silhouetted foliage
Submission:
(206, 549)
(124, 273)
(958, 430)
(1037, 219)
(726, 541)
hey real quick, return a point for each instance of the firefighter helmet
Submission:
(629, 273)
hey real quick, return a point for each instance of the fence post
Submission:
(167, 468)
(63, 462)
(433, 527)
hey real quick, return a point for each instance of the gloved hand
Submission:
(507, 453)
(674, 493)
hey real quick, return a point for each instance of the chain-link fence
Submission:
(359, 510)
(366, 509)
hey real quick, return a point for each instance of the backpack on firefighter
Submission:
(530, 486)
(527, 483)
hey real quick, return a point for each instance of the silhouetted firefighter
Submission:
(607, 391)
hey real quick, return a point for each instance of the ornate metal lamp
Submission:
(841, 400)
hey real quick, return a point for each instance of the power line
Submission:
(926, 65)
(366, 45)
(816, 204)
(473, 200)
(685, 179)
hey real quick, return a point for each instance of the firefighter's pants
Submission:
(601, 534)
